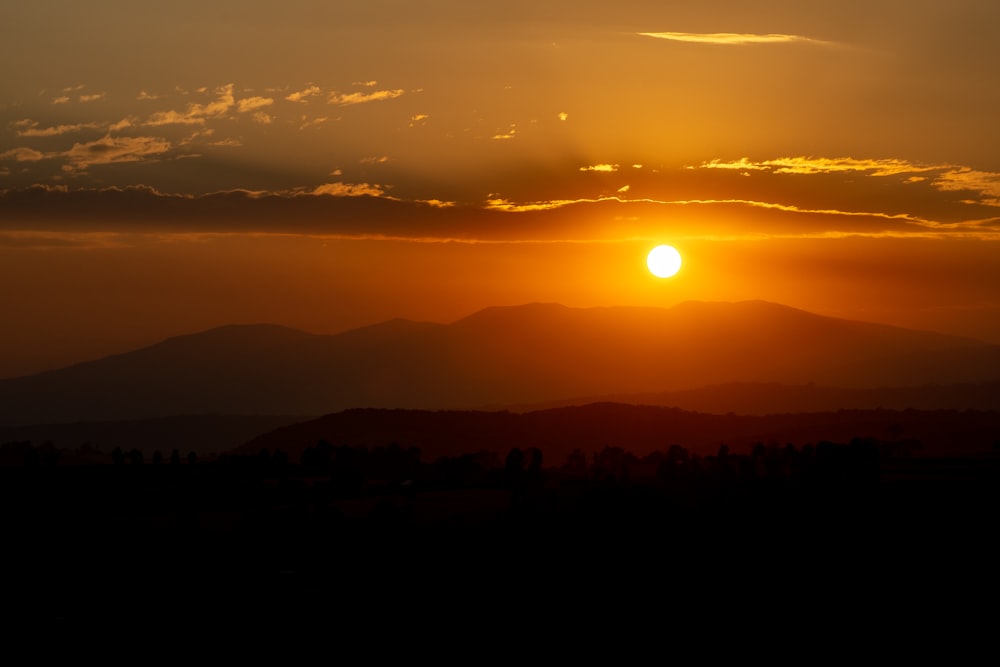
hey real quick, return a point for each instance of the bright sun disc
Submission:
(663, 261)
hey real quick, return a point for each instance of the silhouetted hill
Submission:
(202, 434)
(524, 354)
(758, 398)
(640, 429)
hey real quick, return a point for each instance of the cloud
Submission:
(562, 115)
(120, 125)
(731, 38)
(196, 114)
(509, 134)
(29, 128)
(501, 204)
(346, 99)
(418, 118)
(814, 165)
(91, 98)
(625, 188)
(960, 179)
(349, 190)
(23, 155)
(367, 84)
(375, 160)
(252, 103)
(143, 95)
(111, 150)
(600, 167)
(60, 100)
(314, 122)
(303, 95)
(942, 177)
(173, 118)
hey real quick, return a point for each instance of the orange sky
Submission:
(329, 165)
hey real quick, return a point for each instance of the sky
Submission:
(169, 168)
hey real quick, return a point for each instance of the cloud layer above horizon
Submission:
(331, 164)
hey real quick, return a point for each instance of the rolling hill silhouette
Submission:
(640, 429)
(497, 356)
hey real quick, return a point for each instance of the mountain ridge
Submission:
(500, 355)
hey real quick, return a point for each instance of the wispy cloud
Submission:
(984, 182)
(252, 103)
(731, 38)
(822, 165)
(23, 154)
(62, 99)
(230, 142)
(196, 114)
(303, 95)
(349, 190)
(29, 128)
(110, 150)
(510, 133)
(306, 122)
(375, 160)
(600, 167)
(942, 177)
(347, 99)
(91, 98)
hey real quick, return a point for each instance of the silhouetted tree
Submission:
(534, 476)
(576, 461)
(513, 467)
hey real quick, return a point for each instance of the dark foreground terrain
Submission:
(354, 532)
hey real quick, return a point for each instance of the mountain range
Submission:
(499, 356)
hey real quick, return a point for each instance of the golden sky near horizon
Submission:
(165, 169)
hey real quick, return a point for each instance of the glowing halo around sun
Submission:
(663, 261)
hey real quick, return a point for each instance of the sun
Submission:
(663, 261)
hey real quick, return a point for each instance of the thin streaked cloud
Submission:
(252, 103)
(822, 165)
(30, 128)
(942, 177)
(23, 154)
(109, 150)
(303, 95)
(732, 38)
(960, 179)
(196, 114)
(347, 99)
(507, 134)
(349, 190)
